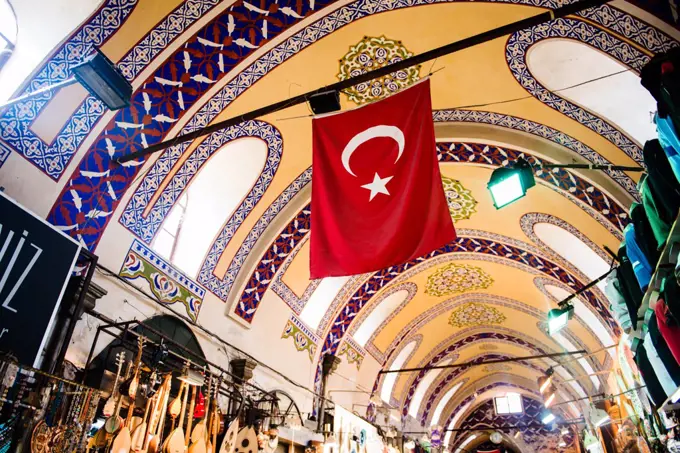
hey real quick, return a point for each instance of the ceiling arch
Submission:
(194, 63)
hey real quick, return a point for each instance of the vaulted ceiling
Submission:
(226, 219)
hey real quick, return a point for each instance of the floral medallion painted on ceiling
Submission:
(472, 315)
(372, 53)
(457, 278)
(496, 368)
(460, 200)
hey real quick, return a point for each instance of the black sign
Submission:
(35, 264)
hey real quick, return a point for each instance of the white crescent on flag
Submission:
(392, 132)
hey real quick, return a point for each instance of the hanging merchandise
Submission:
(644, 233)
(660, 228)
(653, 387)
(661, 358)
(664, 187)
(668, 138)
(669, 328)
(630, 289)
(641, 267)
(617, 305)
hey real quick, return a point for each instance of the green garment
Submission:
(660, 228)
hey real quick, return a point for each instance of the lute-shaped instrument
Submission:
(175, 441)
(114, 422)
(111, 402)
(129, 386)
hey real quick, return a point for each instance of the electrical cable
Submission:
(506, 101)
(108, 272)
(531, 96)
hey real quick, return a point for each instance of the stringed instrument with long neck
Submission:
(111, 402)
(129, 387)
(114, 422)
(157, 418)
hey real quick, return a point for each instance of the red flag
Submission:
(377, 195)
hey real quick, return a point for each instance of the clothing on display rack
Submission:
(617, 301)
(641, 267)
(669, 328)
(660, 228)
(653, 387)
(644, 233)
(630, 289)
(664, 186)
(668, 138)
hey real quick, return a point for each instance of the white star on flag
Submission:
(377, 186)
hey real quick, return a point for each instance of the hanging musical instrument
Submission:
(110, 404)
(175, 441)
(229, 440)
(176, 404)
(123, 440)
(190, 416)
(129, 386)
(140, 431)
(114, 422)
(199, 431)
(158, 420)
(246, 441)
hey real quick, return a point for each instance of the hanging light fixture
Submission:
(559, 317)
(545, 381)
(547, 417)
(597, 417)
(550, 400)
(508, 184)
(192, 377)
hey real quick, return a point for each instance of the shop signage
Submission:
(36, 261)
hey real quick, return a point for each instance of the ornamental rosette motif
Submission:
(457, 278)
(372, 53)
(473, 314)
(300, 339)
(142, 263)
(459, 199)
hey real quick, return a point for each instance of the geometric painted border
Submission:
(292, 45)
(411, 289)
(286, 294)
(473, 245)
(446, 381)
(15, 121)
(167, 283)
(586, 196)
(145, 225)
(530, 219)
(539, 130)
(564, 28)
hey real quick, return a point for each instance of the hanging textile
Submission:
(644, 233)
(617, 301)
(641, 267)
(668, 138)
(665, 188)
(652, 387)
(630, 289)
(669, 328)
(670, 293)
(660, 228)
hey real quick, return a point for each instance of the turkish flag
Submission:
(377, 194)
